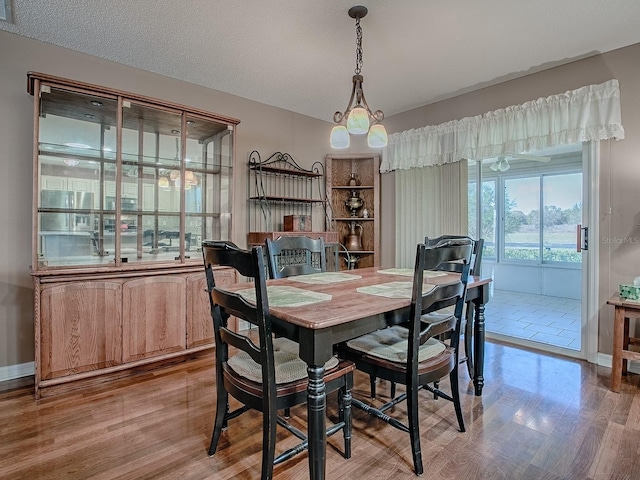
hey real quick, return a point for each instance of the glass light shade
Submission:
(377, 137)
(339, 137)
(358, 121)
(501, 165)
(163, 182)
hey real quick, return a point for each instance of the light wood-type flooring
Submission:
(541, 417)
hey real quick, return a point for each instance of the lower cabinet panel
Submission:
(81, 328)
(199, 322)
(154, 322)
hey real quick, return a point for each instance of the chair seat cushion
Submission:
(289, 366)
(392, 344)
(439, 314)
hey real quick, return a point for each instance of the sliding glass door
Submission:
(527, 212)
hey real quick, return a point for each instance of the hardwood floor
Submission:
(541, 417)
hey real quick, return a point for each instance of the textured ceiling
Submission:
(300, 54)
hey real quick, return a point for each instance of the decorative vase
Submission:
(353, 241)
(353, 181)
(351, 262)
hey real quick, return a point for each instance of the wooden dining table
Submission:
(346, 311)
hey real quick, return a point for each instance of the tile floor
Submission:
(538, 318)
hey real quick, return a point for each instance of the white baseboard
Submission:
(11, 372)
(25, 369)
(605, 360)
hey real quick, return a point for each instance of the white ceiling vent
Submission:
(5, 10)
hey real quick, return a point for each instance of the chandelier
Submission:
(359, 118)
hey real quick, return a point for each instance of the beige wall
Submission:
(268, 129)
(263, 128)
(619, 242)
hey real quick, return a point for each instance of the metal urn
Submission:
(354, 203)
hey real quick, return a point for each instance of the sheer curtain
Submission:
(425, 194)
(589, 113)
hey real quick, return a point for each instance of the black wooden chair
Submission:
(476, 253)
(475, 268)
(265, 374)
(467, 318)
(295, 255)
(411, 354)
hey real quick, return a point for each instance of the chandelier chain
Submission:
(358, 47)
(358, 118)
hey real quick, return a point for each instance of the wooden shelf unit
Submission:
(366, 168)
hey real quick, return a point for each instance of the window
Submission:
(562, 211)
(487, 219)
(527, 213)
(521, 219)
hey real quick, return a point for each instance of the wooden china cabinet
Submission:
(126, 187)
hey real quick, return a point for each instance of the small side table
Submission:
(624, 309)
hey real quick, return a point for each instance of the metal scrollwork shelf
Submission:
(279, 186)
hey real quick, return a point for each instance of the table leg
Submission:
(316, 412)
(468, 339)
(478, 347)
(625, 342)
(616, 362)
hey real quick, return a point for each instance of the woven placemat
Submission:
(284, 296)
(324, 278)
(408, 272)
(392, 289)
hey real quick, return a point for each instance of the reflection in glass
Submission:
(482, 221)
(562, 211)
(521, 218)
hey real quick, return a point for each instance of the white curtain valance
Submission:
(588, 113)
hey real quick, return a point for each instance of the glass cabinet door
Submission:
(208, 168)
(149, 224)
(76, 146)
(127, 181)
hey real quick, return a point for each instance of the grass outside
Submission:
(554, 235)
(523, 245)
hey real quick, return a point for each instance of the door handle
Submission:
(582, 240)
